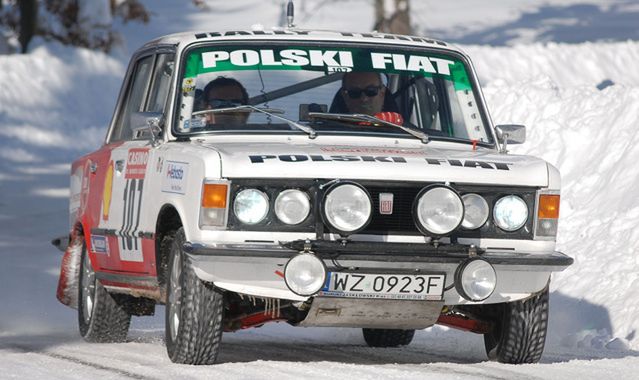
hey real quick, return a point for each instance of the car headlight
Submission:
(347, 208)
(305, 274)
(475, 280)
(292, 206)
(475, 211)
(438, 210)
(251, 206)
(510, 213)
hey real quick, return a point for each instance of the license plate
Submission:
(384, 286)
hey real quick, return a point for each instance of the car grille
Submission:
(400, 222)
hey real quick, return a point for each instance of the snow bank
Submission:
(56, 95)
(566, 65)
(591, 136)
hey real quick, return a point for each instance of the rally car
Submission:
(317, 178)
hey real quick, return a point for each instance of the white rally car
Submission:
(317, 178)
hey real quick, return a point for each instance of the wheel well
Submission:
(168, 222)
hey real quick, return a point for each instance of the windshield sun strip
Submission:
(405, 49)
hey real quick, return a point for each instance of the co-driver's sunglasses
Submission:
(224, 103)
(356, 93)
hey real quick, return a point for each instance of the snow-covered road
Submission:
(284, 352)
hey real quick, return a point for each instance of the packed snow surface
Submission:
(580, 103)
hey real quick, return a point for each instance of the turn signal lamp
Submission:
(214, 200)
(547, 215)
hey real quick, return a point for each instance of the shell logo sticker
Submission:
(106, 195)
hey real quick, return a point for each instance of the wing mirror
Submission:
(510, 133)
(147, 125)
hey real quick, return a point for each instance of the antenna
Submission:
(290, 13)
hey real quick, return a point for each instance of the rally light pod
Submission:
(438, 210)
(347, 208)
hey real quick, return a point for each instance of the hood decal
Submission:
(432, 163)
(259, 159)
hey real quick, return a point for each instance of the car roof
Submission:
(280, 34)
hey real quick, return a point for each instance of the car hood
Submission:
(435, 162)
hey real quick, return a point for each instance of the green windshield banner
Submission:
(328, 60)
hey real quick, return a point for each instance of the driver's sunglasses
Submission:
(356, 93)
(224, 103)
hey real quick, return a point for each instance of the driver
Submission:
(363, 92)
(223, 92)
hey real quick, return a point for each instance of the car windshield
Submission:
(311, 89)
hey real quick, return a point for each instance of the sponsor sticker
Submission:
(174, 178)
(188, 85)
(129, 250)
(136, 163)
(99, 244)
(106, 193)
(196, 122)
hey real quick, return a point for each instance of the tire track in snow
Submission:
(75, 360)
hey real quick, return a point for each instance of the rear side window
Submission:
(134, 99)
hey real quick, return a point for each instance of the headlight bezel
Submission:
(325, 218)
(416, 217)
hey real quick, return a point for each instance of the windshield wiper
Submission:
(271, 112)
(370, 119)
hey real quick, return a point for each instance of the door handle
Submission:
(119, 166)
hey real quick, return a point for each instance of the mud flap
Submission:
(67, 292)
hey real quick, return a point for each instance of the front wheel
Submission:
(520, 329)
(388, 337)
(194, 310)
(100, 318)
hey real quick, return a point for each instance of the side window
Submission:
(133, 100)
(161, 83)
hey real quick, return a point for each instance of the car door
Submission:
(130, 234)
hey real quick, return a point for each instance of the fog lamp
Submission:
(305, 274)
(475, 279)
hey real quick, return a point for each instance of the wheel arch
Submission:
(168, 221)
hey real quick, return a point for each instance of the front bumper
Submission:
(257, 269)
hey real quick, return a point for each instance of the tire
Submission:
(194, 310)
(100, 318)
(388, 337)
(520, 329)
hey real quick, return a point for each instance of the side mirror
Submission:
(511, 133)
(146, 125)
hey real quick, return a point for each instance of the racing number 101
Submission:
(131, 213)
